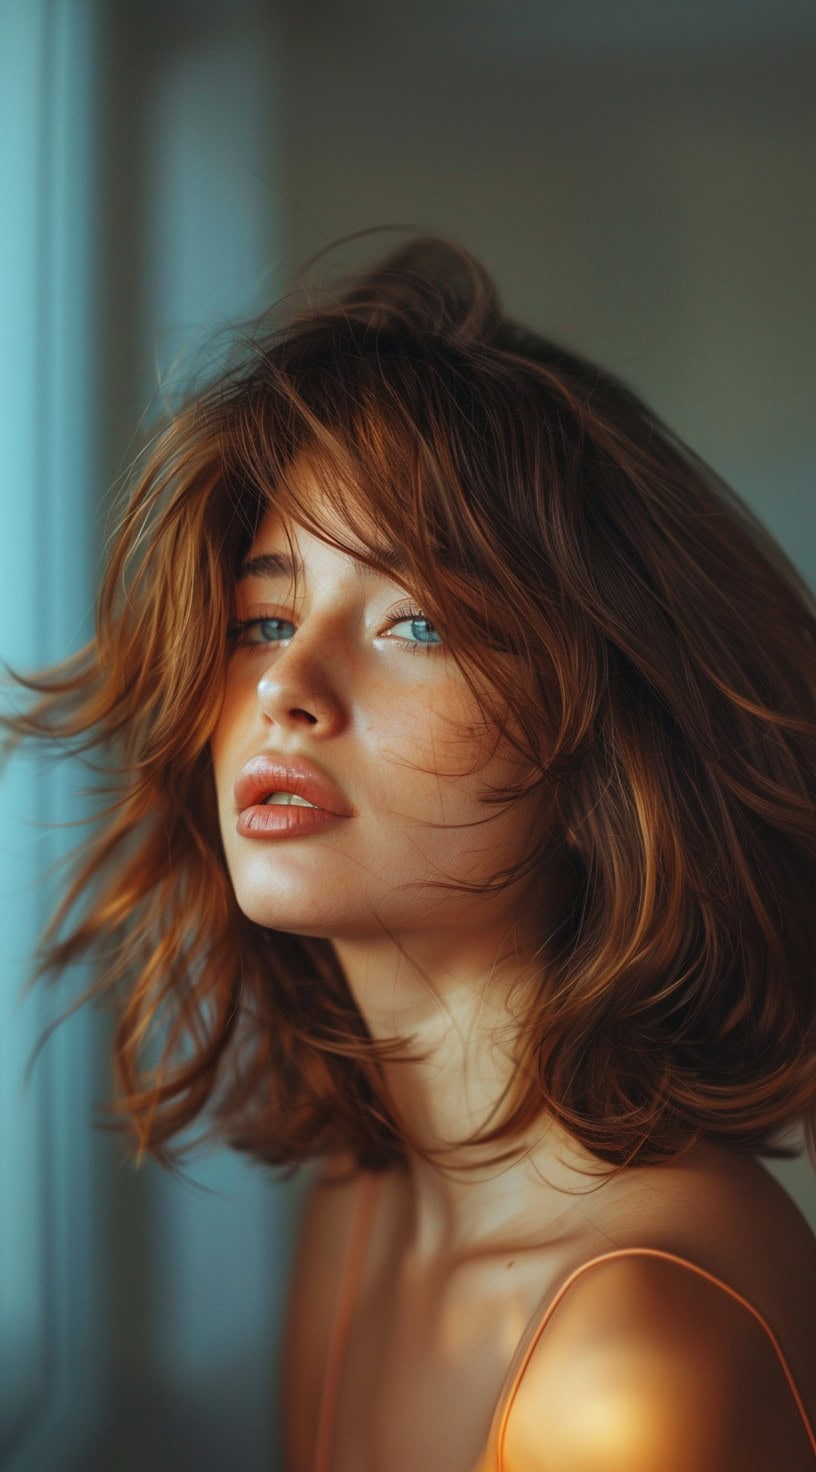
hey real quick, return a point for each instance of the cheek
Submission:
(443, 731)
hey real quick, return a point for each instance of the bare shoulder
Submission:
(323, 1233)
(648, 1366)
(729, 1215)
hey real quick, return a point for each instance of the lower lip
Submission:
(282, 820)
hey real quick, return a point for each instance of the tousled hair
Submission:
(633, 629)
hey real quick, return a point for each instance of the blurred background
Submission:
(640, 180)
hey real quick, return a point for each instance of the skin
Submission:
(405, 740)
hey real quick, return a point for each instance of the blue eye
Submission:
(238, 630)
(422, 642)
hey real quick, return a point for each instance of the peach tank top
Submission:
(492, 1458)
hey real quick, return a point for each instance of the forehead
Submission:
(281, 538)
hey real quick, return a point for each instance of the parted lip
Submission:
(267, 773)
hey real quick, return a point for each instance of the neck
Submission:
(456, 1006)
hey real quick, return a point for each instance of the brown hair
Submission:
(661, 686)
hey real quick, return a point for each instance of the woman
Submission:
(515, 938)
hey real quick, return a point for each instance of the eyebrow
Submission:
(280, 564)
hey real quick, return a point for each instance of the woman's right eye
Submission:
(267, 628)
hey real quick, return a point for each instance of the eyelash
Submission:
(413, 646)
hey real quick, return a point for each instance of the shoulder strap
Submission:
(647, 1252)
(344, 1308)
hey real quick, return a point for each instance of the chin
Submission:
(307, 915)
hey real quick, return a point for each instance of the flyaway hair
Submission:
(631, 626)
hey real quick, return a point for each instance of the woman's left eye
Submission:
(415, 619)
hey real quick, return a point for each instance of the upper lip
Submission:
(268, 772)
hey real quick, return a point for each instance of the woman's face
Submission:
(336, 680)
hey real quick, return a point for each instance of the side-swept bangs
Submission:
(420, 451)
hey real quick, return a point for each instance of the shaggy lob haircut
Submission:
(631, 627)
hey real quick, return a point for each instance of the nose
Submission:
(296, 690)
